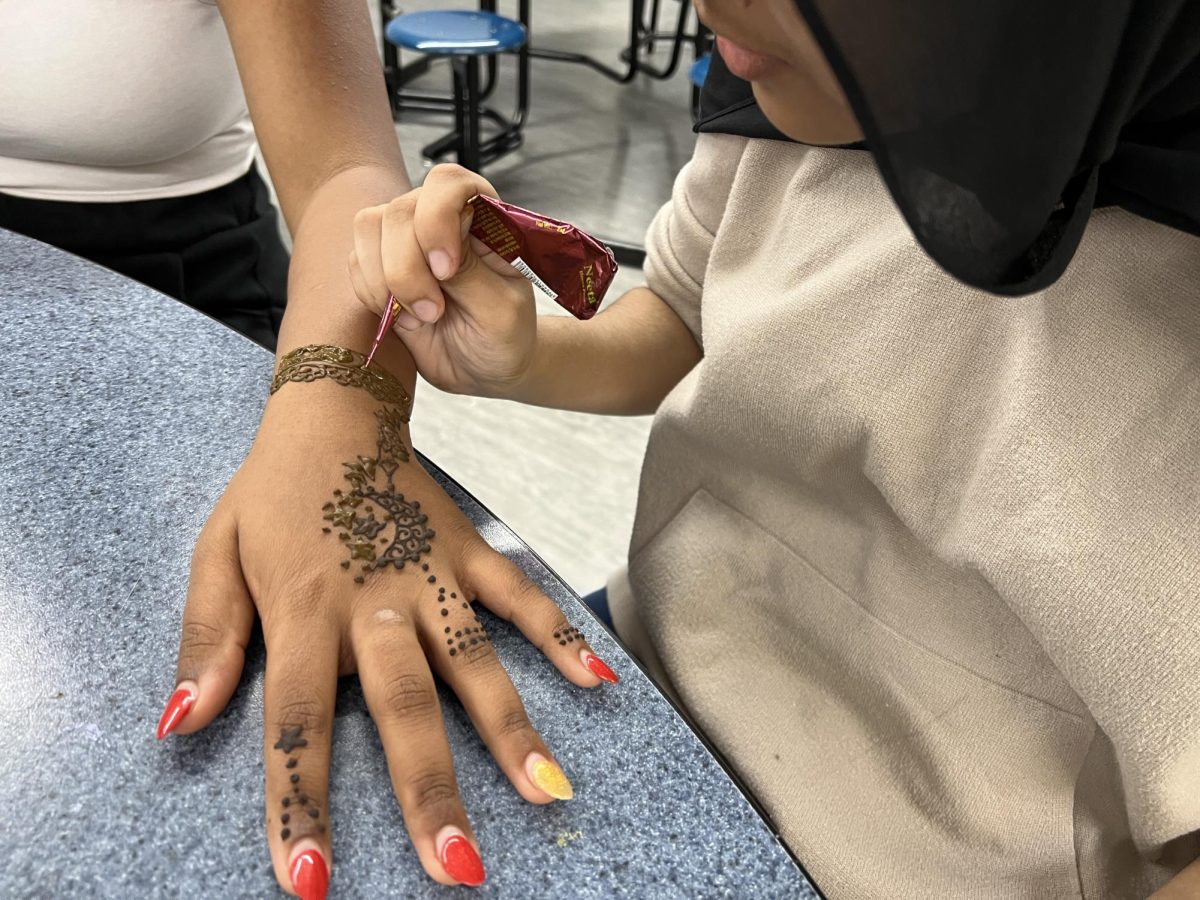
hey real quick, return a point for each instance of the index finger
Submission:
(440, 220)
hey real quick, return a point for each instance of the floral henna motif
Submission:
(377, 524)
(400, 532)
(346, 367)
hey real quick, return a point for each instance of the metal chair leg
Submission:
(469, 158)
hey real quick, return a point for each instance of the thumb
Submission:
(217, 619)
(485, 284)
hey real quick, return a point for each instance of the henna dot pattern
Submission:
(568, 635)
(290, 741)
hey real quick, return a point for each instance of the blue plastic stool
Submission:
(463, 37)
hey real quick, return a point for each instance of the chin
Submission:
(806, 116)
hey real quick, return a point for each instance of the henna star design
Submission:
(289, 740)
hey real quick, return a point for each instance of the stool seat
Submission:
(699, 70)
(455, 33)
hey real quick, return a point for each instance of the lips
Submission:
(746, 64)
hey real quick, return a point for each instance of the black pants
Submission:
(218, 252)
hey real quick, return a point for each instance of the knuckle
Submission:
(306, 714)
(397, 275)
(560, 623)
(448, 172)
(367, 218)
(481, 660)
(306, 594)
(199, 636)
(406, 697)
(513, 721)
(387, 618)
(432, 789)
(400, 207)
(522, 590)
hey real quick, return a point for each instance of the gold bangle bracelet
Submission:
(347, 367)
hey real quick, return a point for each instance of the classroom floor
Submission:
(603, 156)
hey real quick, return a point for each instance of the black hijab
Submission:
(998, 125)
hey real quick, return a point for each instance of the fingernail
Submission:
(439, 264)
(459, 858)
(310, 875)
(596, 666)
(546, 775)
(178, 706)
(425, 310)
(408, 321)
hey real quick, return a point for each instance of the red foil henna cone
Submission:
(310, 875)
(461, 862)
(567, 265)
(178, 707)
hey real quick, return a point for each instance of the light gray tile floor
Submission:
(603, 156)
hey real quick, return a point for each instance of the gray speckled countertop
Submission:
(122, 415)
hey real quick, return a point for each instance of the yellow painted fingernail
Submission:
(549, 777)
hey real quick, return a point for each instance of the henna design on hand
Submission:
(568, 635)
(400, 533)
(289, 740)
(347, 367)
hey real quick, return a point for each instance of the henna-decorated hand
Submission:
(356, 561)
(472, 328)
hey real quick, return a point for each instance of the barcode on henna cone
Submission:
(531, 276)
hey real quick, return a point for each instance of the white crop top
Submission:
(112, 100)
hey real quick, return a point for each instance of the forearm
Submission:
(322, 307)
(622, 362)
(316, 94)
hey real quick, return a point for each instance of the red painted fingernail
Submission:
(310, 877)
(597, 667)
(460, 860)
(178, 706)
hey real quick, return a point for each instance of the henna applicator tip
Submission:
(385, 325)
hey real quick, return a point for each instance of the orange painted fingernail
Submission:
(547, 776)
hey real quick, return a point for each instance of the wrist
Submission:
(529, 386)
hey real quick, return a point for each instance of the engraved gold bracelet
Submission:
(347, 367)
